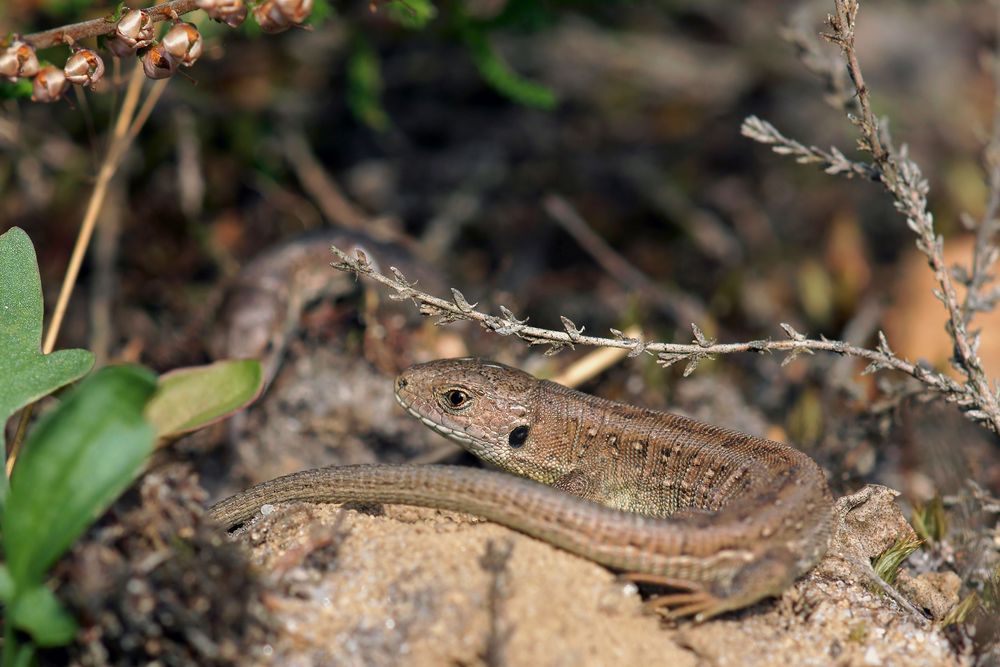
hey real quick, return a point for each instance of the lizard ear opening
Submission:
(518, 436)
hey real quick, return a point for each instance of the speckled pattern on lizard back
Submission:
(726, 517)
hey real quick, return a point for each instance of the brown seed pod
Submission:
(157, 63)
(183, 42)
(296, 11)
(135, 29)
(50, 84)
(270, 18)
(84, 68)
(118, 47)
(231, 12)
(18, 61)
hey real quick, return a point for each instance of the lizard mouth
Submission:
(474, 445)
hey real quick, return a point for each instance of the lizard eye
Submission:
(456, 398)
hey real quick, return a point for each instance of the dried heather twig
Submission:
(902, 178)
(104, 25)
(133, 34)
(458, 308)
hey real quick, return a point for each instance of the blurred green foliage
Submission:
(413, 14)
(930, 521)
(18, 90)
(364, 85)
(322, 12)
(498, 73)
(66, 7)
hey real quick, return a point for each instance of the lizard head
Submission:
(483, 406)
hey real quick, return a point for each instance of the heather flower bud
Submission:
(295, 11)
(84, 68)
(50, 84)
(157, 63)
(18, 60)
(183, 43)
(135, 29)
(270, 18)
(230, 12)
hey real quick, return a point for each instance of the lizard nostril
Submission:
(400, 383)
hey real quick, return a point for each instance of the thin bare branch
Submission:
(458, 308)
(104, 25)
(841, 24)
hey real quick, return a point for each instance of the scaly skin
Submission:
(730, 517)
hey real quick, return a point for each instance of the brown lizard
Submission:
(729, 518)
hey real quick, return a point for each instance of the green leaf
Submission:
(27, 373)
(187, 399)
(38, 612)
(364, 86)
(22, 655)
(498, 73)
(6, 585)
(413, 14)
(77, 460)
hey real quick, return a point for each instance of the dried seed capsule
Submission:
(50, 84)
(18, 61)
(118, 47)
(84, 68)
(8, 65)
(135, 29)
(183, 42)
(295, 11)
(237, 16)
(230, 12)
(270, 18)
(157, 63)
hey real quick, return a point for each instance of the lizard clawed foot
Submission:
(692, 600)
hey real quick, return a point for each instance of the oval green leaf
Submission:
(191, 398)
(76, 461)
(27, 373)
(38, 612)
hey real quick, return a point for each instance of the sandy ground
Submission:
(405, 586)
